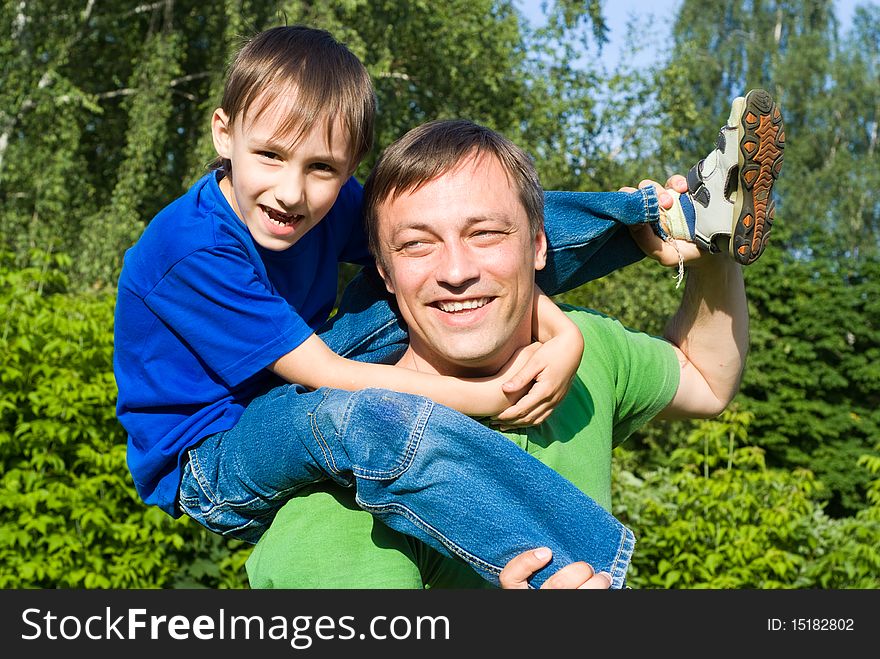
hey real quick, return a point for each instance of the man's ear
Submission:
(388, 285)
(221, 132)
(540, 250)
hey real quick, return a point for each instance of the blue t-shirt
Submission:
(201, 310)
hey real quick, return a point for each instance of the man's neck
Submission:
(415, 361)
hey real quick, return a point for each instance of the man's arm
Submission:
(710, 330)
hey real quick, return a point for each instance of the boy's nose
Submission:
(291, 192)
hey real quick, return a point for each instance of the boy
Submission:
(216, 309)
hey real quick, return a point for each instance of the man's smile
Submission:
(456, 306)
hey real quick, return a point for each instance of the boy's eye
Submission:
(269, 155)
(323, 167)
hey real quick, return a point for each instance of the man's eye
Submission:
(415, 247)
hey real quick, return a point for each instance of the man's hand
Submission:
(665, 252)
(520, 569)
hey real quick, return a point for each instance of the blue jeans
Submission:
(423, 469)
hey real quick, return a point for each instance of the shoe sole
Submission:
(761, 144)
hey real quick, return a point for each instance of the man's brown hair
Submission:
(328, 79)
(435, 148)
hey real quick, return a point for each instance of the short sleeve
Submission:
(648, 377)
(215, 302)
(642, 370)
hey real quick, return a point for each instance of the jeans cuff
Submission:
(622, 560)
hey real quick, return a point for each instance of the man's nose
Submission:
(457, 266)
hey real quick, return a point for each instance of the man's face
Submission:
(458, 255)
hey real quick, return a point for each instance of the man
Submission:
(454, 216)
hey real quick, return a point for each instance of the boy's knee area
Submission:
(379, 429)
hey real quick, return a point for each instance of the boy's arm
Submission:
(313, 365)
(551, 368)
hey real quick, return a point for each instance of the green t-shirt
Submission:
(321, 539)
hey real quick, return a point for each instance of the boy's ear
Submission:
(221, 132)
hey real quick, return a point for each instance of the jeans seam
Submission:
(412, 447)
(219, 503)
(198, 475)
(369, 338)
(652, 205)
(445, 541)
(622, 559)
(329, 460)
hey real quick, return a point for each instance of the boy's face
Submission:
(280, 191)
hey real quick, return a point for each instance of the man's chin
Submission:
(463, 362)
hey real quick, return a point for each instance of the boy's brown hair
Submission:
(328, 79)
(435, 148)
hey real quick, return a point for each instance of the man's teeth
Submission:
(450, 307)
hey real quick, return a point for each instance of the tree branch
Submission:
(128, 91)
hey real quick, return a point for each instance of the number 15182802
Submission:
(810, 624)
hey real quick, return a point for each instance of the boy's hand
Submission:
(543, 382)
(490, 394)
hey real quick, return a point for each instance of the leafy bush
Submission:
(718, 518)
(69, 515)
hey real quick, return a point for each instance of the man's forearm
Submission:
(711, 329)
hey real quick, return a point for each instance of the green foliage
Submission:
(716, 517)
(813, 380)
(104, 116)
(69, 516)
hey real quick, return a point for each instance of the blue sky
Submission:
(664, 13)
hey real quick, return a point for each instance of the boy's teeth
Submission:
(450, 307)
(280, 219)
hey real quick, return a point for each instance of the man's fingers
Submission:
(578, 576)
(648, 241)
(678, 183)
(601, 581)
(662, 251)
(517, 572)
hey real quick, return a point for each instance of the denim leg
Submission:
(235, 481)
(423, 469)
(367, 326)
(587, 237)
(462, 488)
